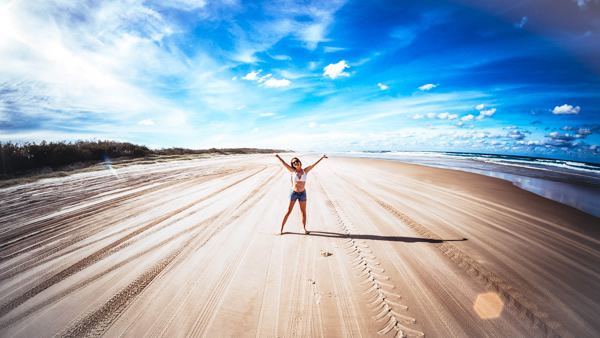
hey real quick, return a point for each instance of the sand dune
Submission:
(189, 249)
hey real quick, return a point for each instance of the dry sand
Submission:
(189, 249)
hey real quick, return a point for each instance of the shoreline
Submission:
(579, 195)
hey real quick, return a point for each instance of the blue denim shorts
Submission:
(301, 196)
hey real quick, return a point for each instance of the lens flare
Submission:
(112, 171)
(488, 305)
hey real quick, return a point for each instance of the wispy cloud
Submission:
(186, 5)
(147, 122)
(266, 80)
(382, 86)
(405, 35)
(333, 49)
(81, 60)
(428, 86)
(522, 23)
(582, 3)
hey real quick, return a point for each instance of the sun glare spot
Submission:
(488, 305)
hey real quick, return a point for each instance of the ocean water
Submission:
(576, 184)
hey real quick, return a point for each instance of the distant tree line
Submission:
(18, 159)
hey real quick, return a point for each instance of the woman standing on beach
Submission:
(298, 192)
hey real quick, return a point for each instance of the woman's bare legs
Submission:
(290, 207)
(303, 212)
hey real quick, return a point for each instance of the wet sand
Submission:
(189, 249)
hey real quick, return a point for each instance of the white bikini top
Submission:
(296, 179)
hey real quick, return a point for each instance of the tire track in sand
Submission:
(208, 311)
(46, 230)
(97, 276)
(98, 321)
(383, 299)
(103, 252)
(268, 319)
(524, 308)
(65, 293)
(48, 253)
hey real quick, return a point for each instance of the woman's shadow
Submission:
(376, 237)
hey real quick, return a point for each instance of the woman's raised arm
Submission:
(309, 168)
(287, 166)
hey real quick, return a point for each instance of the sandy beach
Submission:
(189, 249)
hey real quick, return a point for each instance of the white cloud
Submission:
(267, 80)
(418, 116)
(382, 86)
(312, 124)
(147, 122)
(252, 76)
(480, 106)
(336, 70)
(446, 116)
(427, 86)
(255, 129)
(515, 135)
(486, 113)
(273, 83)
(584, 132)
(267, 114)
(431, 115)
(566, 109)
(241, 107)
(264, 78)
(469, 117)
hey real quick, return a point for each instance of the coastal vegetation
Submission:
(30, 161)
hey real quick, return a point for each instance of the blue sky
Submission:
(463, 75)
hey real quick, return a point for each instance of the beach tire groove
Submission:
(520, 306)
(366, 264)
(100, 254)
(97, 276)
(98, 321)
(217, 223)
